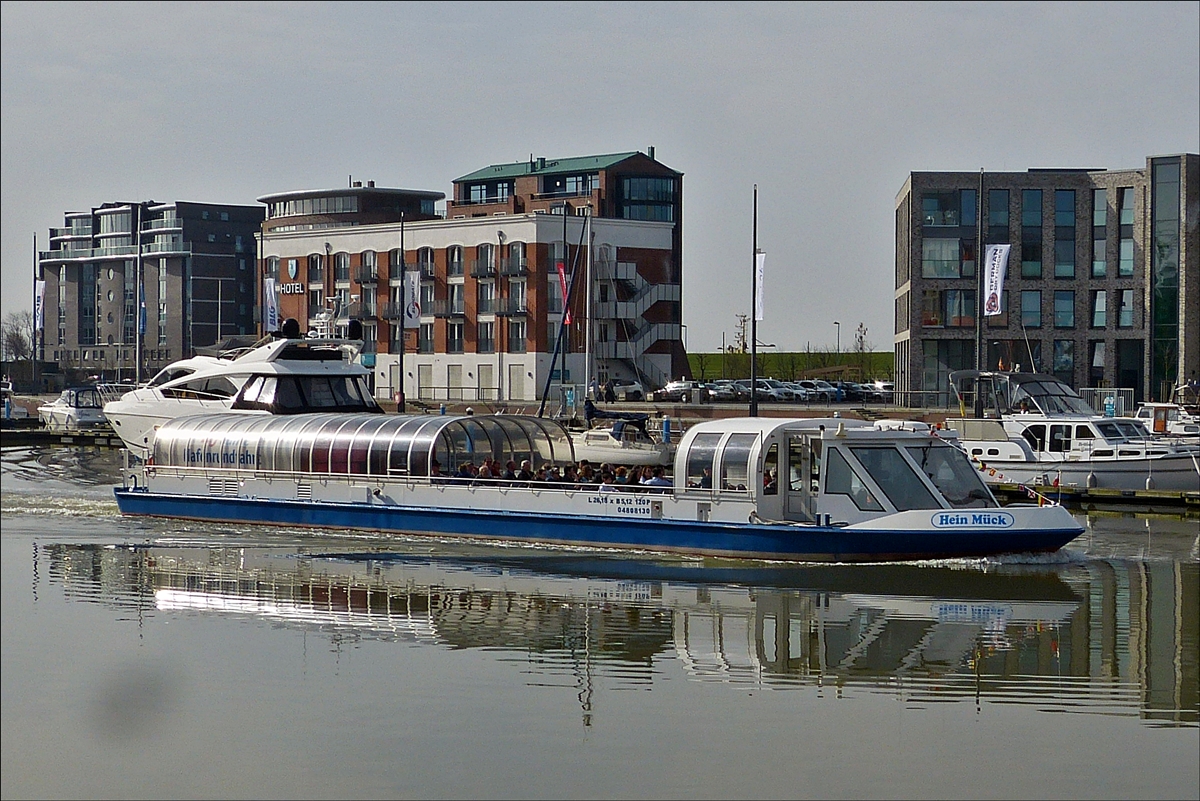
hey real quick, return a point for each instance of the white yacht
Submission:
(277, 376)
(1036, 430)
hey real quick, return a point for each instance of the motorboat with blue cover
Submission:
(759, 488)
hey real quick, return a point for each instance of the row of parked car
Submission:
(771, 390)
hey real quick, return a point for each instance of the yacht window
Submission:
(1036, 437)
(842, 480)
(287, 394)
(1060, 439)
(220, 387)
(1084, 432)
(319, 393)
(169, 374)
(253, 387)
(953, 475)
(1133, 431)
(735, 462)
(896, 478)
(700, 461)
(1110, 432)
(89, 399)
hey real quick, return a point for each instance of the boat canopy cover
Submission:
(358, 444)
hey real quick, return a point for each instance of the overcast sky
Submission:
(826, 106)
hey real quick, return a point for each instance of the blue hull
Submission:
(798, 543)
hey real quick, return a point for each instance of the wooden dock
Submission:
(24, 437)
(1096, 497)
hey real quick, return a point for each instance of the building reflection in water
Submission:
(1102, 636)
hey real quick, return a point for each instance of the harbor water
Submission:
(168, 659)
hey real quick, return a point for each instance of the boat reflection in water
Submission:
(1100, 636)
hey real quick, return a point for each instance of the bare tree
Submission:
(702, 365)
(17, 337)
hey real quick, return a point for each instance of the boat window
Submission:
(1060, 438)
(735, 462)
(700, 460)
(252, 389)
(89, 399)
(1035, 435)
(1084, 432)
(841, 479)
(952, 474)
(287, 396)
(771, 470)
(895, 477)
(1133, 431)
(1110, 432)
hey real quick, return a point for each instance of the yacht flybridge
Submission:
(277, 376)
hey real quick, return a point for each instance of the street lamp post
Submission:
(838, 326)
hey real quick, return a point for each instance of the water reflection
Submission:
(1107, 636)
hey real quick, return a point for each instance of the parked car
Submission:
(624, 390)
(816, 392)
(76, 408)
(885, 389)
(740, 392)
(720, 393)
(800, 393)
(850, 390)
(680, 392)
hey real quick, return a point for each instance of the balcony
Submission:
(316, 275)
(454, 268)
(424, 345)
(514, 266)
(166, 223)
(483, 268)
(509, 307)
(393, 311)
(367, 275)
(446, 308)
(426, 268)
(486, 306)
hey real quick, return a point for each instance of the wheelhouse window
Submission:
(735, 462)
(952, 474)
(700, 458)
(888, 468)
(841, 479)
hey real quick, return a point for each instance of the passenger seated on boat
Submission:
(526, 473)
(770, 483)
(621, 476)
(706, 479)
(658, 478)
(435, 471)
(510, 471)
(484, 477)
(606, 483)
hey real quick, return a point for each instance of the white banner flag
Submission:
(759, 259)
(412, 299)
(993, 278)
(39, 304)
(270, 305)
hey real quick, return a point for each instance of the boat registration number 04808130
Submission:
(988, 519)
(623, 504)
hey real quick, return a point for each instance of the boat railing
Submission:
(218, 472)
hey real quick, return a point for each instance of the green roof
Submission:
(553, 167)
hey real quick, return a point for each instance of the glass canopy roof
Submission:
(358, 444)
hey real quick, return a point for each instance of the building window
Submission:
(425, 338)
(454, 337)
(998, 215)
(341, 267)
(1064, 208)
(1099, 258)
(316, 268)
(426, 298)
(1125, 313)
(455, 294)
(516, 335)
(1031, 209)
(1099, 309)
(487, 297)
(1064, 308)
(1031, 308)
(649, 198)
(940, 258)
(316, 300)
(960, 308)
(1126, 198)
(1031, 259)
(554, 296)
(931, 308)
(486, 337)
(1064, 258)
(455, 260)
(1064, 361)
(948, 209)
(1125, 266)
(1096, 363)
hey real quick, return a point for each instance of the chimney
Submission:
(357, 184)
(541, 163)
(370, 183)
(650, 151)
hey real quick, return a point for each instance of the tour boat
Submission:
(1037, 431)
(1170, 420)
(284, 375)
(758, 488)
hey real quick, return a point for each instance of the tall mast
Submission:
(754, 314)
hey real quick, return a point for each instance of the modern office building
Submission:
(194, 263)
(485, 275)
(1103, 276)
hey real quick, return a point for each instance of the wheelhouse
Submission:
(789, 469)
